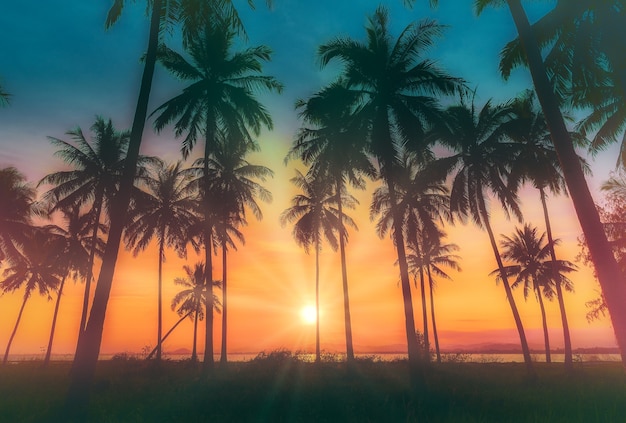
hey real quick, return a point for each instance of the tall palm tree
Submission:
(163, 12)
(396, 93)
(608, 272)
(315, 218)
(538, 163)
(432, 257)
(534, 270)
(39, 269)
(480, 166)
(95, 178)
(335, 144)
(75, 254)
(163, 212)
(220, 100)
(191, 299)
(16, 210)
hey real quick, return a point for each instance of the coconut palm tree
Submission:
(335, 144)
(163, 212)
(534, 270)
(74, 257)
(39, 269)
(397, 99)
(220, 100)
(608, 272)
(96, 176)
(315, 218)
(191, 299)
(480, 166)
(16, 210)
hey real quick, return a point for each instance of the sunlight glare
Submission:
(308, 314)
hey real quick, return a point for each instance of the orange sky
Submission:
(271, 279)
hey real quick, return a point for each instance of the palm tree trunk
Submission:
(97, 208)
(168, 334)
(424, 316)
(224, 352)
(19, 317)
(208, 361)
(318, 354)
(46, 360)
(569, 365)
(344, 278)
(507, 288)
(194, 350)
(544, 321)
(89, 341)
(432, 315)
(609, 275)
(160, 297)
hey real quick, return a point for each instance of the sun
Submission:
(308, 314)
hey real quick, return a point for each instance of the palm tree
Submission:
(39, 269)
(608, 272)
(432, 257)
(165, 213)
(162, 14)
(192, 298)
(220, 100)
(422, 203)
(95, 178)
(481, 165)
(335, 145)
(315, 217)
(396, 95)
(74, 257)
(537, 162)
(533, 269)
(15, 213)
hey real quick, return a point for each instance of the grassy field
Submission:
(281, 388)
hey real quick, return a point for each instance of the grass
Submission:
(280, 387)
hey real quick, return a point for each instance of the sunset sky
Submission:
(62, 69)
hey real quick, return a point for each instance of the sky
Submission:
(63, 69)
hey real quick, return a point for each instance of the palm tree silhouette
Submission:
(481, 165)
(95, 178)
(396, 91)
(220, 100)
(16, 210)
(335, 145)
(608, 272)
(163, 212)
(533, 269)
(192, 298)
(315, 217)
(39, 269)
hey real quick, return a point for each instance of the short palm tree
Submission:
(15, 213)
(397, 96)
(191, 299)
(39, 269)
(163, 212)
(534, 269)
(334, 142)
(315, 218)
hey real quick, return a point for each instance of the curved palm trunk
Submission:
(224, 352)
(569, 365)
(609, 275)
(194, 350)
(90, 339)
(318, 354)
(17, 323)
(92, 256)
(544, 322)
(344, 279)
(168, 334)
(160, 299)
(46, 360)
(432, 315)
(507, 289)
